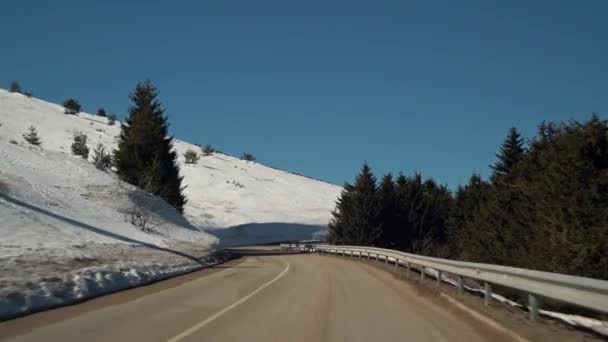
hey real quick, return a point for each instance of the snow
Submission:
(222, 191)
(596, 325)
(66, 230)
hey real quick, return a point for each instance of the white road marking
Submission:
(218, 314)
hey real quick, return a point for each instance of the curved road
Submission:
(264, 298)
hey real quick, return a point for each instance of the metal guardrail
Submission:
(585, 292)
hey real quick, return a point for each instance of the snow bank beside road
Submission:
(66, 233)
(51, 278)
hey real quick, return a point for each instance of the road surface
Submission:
(262, 298)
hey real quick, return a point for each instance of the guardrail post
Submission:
(385, 259)
(438, 279)
(376, 256)
(460, 285)
(396, 263)
(533, 307)
(488, 293)
(407, 272)
(422, 273)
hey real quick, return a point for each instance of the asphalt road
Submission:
(266, 298)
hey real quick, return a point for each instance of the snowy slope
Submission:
(53, 200)
(66, 235)
(222, 191)
(65, 226)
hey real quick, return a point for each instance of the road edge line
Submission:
(218, 314)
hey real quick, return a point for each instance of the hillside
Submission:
(67, 231)
(222, 191)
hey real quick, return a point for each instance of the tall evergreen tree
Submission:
(467, 202)
(340, 221)
(403, 204)
(366, 227)
(511, 152)
(145, 156)
(388, 215)
(356, 219)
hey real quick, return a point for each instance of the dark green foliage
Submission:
(467, 202)
(191, 157)
(356, 219)
(101, 112)
(145, 155)
(32, 136)
(545, 208)
(101, 159)
(208, 150)
(15, 87)
(79, 145)
(72, 106)
(247, 157)
(111, 119)
(551, 211)
(511, 152)
(387, 202)
(423, 208)
(408, 214)
(27, 93)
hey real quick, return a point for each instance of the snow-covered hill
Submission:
(65, 226)
(222, 191)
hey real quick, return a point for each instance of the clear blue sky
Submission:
(317, 87)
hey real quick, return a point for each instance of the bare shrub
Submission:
(208, 150)
(248, 157)
(191, 157)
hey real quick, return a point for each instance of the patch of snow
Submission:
(596, 325)
(51, 278)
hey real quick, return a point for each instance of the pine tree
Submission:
(421, 212)
(356, 219)
(101, 159)
(511, 152)
(111, 119)
(387, 203)
(468, 200)
(145, 155)
(562, 193)
(248, 157)
(340, 221)
(101, 112)
(15, 87)
(32, 136)
(72, 106)
(79, 145)
(403, 226)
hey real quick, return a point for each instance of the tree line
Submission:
(545, 206)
